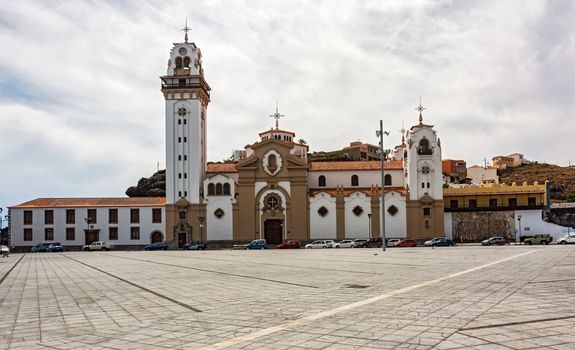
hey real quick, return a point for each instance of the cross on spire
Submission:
(402, 131)
(186, 29)
(277, 116)
(420, 108)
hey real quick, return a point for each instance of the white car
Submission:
(4, 250)
(391, 242)
(317, 245)
(567, 239)
(346, 243)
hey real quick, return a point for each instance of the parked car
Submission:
(538, 239)
(98, 245)
(318, 244)
(374, 242)
(346, 243)
(440, 242)
(40, 247)
(156, 246)
(257, 244)
(329, 243)
(195, 245)
(406, 243)
(289, 245)
(360, 243)
(55, 247)
(428, 243)
(495, 241)
(4, 250)
(391, 242)
(569, 239)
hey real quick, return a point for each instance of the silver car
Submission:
(346, 243)
(391, 242)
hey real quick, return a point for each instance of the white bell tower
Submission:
(187, 96)
(423, 175)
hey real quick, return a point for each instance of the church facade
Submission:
(274, 192)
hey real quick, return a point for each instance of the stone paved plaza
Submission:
(465, 297)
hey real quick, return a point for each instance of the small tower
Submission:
(423, 176)
(187, 95)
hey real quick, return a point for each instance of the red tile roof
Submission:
(348, 191)
(221, 168)
(93, 202)
(358, 165)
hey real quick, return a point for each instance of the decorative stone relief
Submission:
(272, 162)
(322, 211)
(219, 213)
(357, 210)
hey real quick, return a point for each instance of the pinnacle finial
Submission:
(277, 116)
(402, 131)
(420, 108)
(186, 29)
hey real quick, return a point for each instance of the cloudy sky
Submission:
(81, 113)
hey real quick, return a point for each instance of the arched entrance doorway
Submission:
(273, 230)
(156, 236)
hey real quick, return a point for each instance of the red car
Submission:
(289, 245)
(406, 243)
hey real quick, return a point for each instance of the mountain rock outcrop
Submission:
(154, 186)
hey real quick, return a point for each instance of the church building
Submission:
(274, 192)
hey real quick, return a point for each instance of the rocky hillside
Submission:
(562, 179)
(154, 186)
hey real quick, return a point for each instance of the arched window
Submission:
(387, 180)
(354, 180)
(218, 189)
(178, 62)
(211, 190)
(424, 147)
(186, 62)
(227, 188)
(321, 181)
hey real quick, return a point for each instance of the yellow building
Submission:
(477, 212)
(495, 197)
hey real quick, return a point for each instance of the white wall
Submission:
(124, 226)
(322, 227)
(448, 219)
(532, 223)
(367, 178)
(219, 229)
(395, 226)
(357, 226)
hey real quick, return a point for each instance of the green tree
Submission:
(571, 197)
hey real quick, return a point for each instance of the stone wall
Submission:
(477, 226)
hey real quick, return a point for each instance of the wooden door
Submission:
(273, 231)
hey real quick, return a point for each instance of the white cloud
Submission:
(81, 112)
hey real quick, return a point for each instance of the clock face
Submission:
(182, 51)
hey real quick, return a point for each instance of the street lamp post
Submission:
(369, 223)
(518, 239)
(380, 134)
(201, 220)
(488, 223)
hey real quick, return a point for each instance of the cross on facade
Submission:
(277, 116)
(186, 29)
(272, 203)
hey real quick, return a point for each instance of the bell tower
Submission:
(424, 178)
(186, 95)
